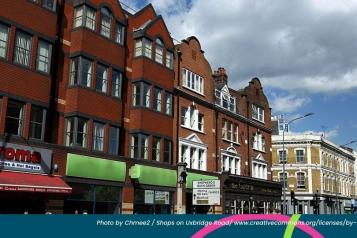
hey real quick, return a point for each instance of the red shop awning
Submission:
(23, 182)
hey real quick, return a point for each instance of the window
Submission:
(168, 108)
(44, 56)
(113, 140)
(147, 92)
(102, 78)
(191, 118)
(119, 34)
(159, 51)
(231, 164)
(37, 123)
(98, 136)
(116, 83)
(22, 48)
(14, 118)
(229, 131)
(225, 100)
(282, 156)
(167, 151)
(157, 99)
(257, 113)
(169, 60)
(139, 146)
(84, 16)
(192, 81)
(143, 47)
(300, 180)
(299, 156)
(81, 72)
(106, 21)
(156, 141)
(259, 142)
(76, 132)
(281, 178)
(195, 156)
(49, 4)
(137, 94)
(4, 40)
(259, 170)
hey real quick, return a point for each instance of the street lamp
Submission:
(285, 157)
(181, 181)
(351, 142)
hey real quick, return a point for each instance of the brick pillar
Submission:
(90, 135)
(128, 200)
(106, 138)
(26, 124)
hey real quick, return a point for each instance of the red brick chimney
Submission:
(220, 76)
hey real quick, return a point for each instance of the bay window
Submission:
(4, 40)
(159, 51)
(76, 132)
(147, 94)
(84, 16)
(157, 99)
(22, 53)
(167, 151)
(81, 72)
(156, 145)
(106, 21)
(139, 146)
(168, 107)
(98, 136)
(44, 52)
(102, 78)
(143, 47)
(37, 123)
(49, 4)
(113, 140)
(119, 33)
(169, 60)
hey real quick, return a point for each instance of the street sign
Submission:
(206, 192)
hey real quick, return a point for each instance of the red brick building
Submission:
(91, 111)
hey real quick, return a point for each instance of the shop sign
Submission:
(25, 158)
(162, 197)
(206, 192)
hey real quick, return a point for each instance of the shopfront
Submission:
(154, 189)
(97, 185)
(27, 183)
(245, 195)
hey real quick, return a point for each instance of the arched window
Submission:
(159, 51)
(106, 22)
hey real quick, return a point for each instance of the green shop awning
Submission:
(95, 168)
(153, 176)
(194, 176)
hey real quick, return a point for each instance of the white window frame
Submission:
(258, 113)
(259, 142)
(43, 60)
(117, 83)
(85, 19)
(297, 180)
(191, 119)
(286, 155)
(168, 103)
(119, 33)
(259, 170)
(192, 81)
(230, 162)
(221, 96)
(98, 136)
(76, 132)
(169, 60)
(193, 162)
(296, 155)
(23, 49)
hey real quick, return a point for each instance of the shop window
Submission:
(76, 132)
(117, 78)
(84, 16)
(119, 33)
(81, 72)
(93, 199)
(258, 113)
(113, 140)
(139, 146)
(193, 81)
(49, 4)
(169, 60)
(98, 136)
(4, 40)
(167, 151)
(102, 78)
(44, 52)
(22, 52)
(159, 51)
(168, 108)
(157, 99)
(153, 202)
(156, 145)
(14, 118)
(37, 123)
(106, 21)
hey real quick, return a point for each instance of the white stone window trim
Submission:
(198, 145)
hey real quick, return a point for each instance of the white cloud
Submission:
(330, 135)
(287, 103)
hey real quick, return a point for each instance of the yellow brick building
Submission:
(319, 172)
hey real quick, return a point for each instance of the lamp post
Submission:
(181, 180)
(285, 158)
(351, 142)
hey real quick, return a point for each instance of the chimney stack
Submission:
(220, 76)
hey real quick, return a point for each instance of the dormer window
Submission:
(106, 21)
(225, 100)
(159, 50)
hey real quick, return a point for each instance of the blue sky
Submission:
(306, 58)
